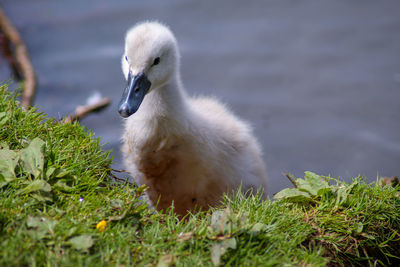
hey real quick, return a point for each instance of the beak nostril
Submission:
(123, 111)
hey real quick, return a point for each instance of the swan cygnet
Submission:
(188, 151)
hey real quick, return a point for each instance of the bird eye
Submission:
(126, 58)
(156, 61)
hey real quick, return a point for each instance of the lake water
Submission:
(318, 80)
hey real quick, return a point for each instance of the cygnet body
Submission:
(188, 151)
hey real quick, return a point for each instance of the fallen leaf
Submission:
(219, 249)
(220, 221)
(36, 185)
(258, 227)
(117, 204)
(42, 224)
(81, 242)
(42, 197)
(32, 157)
(165, 261)
(294, 195)
(8, 162)
(185, 236)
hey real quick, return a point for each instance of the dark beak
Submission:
(133, 94)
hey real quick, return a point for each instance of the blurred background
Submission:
(319, 81)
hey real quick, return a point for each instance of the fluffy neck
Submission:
(165, 105)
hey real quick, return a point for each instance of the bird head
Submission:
(150, 61)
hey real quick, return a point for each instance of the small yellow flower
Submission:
(101, 225)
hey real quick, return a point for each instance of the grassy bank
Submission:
(59, 206)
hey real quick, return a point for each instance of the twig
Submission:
(82, 111)
(115, 170)
(22, 58)
(121, 180)
(8, 55)
(290, 179)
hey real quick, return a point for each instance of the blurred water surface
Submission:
(318, 80)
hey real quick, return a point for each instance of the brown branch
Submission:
(120, 179)
(115, 170)
(22, 58)
(83, 111)
(291, 179)
(8, 55)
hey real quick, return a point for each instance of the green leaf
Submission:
(340, 195)
(293, 194)
(315, 179)
(311, 183)
(220, 221)
(324, 191)
(4, 145)
(36, 185)
(33, 221)
(2, 181)
(50, 171)
(8, 162)
(343, 192)
(32, 157)
(42, 197)
(350, 187)
(368, 236)
(42, 224)
(37, 234)
(219, 249)
(62, 186)
(358, 227)
(60, 173)
(81, 242)
(3, 118)
(259, 227)
(54, 173)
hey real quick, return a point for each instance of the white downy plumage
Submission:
(188, 151)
